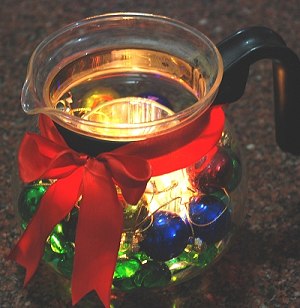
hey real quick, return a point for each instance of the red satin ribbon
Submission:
(100, 220)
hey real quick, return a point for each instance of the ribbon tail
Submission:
(57, 202)
(98, 234)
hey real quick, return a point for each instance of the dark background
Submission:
(261, 268)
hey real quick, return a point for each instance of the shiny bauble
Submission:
(220, 170)
(166, 237)
(126, 268)
(29, 199)
(210, 218)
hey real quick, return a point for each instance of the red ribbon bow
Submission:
(100, 218)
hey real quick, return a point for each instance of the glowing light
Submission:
(128, 111)
(170, 192)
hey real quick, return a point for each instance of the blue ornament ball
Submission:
(210, 218)
(166, 237)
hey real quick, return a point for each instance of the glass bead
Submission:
(126, 268)
(59, 244)
(29, 200)
(152, 274)
(183, 261)
(142, 256)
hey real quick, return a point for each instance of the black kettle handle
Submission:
(249, 45)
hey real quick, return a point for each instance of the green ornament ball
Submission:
(59, 244)
(29, 199)
(124, 272)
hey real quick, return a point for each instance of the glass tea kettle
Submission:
(133, 179)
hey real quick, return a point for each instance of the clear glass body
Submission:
(127, 77)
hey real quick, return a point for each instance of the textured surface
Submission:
(261, 268)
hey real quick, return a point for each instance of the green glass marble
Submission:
(124, 249)
(24, 225)
(152, 274)
(29, 199)
(183, 261)
(59, 244)
(126, 268)
(142, 256)
(58, 229)
(208, 256)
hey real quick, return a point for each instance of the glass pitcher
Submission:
(133, 178)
